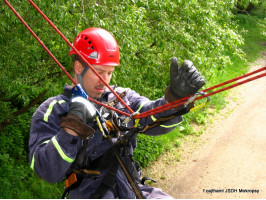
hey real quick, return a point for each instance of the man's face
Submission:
(93, 86)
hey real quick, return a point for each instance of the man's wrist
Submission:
(71, 132)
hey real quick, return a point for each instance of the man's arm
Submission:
(52, 149)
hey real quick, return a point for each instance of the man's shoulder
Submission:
(58, 104)
(59, 99)
(123, 93)
(120, 90)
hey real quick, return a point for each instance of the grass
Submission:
(255, 41)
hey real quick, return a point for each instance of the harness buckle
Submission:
(71, 180)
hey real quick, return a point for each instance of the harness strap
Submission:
(80, 76)
(80, 156)
(108, 182)
(129, 176)
(131, 168)
(159, 121)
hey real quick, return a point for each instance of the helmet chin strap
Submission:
(80, 76)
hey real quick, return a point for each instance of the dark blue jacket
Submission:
(52, 150)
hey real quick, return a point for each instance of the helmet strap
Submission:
(80, 76)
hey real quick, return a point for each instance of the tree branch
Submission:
(6, 122)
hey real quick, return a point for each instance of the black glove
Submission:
(80, 113)
(184, 80)
(83, 109)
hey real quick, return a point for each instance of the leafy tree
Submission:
(246, 5)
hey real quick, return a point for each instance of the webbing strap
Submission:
(126, 171)
(80, 156)
(80, 76)
(108, 182)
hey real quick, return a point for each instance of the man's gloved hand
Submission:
(83, 109)
(80, 113)
(184, 80)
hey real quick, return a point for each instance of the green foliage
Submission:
(149, 33)
(244, 4)
(151, 147)
(260, 10)
(19, 181)
(251, 27)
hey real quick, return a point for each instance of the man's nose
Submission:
(105, 77)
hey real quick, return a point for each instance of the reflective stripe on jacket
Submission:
(52, 150)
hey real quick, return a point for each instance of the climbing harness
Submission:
(119, 149)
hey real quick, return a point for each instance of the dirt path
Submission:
(230, 154)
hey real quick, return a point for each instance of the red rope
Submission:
(234, 79)
(58, 63)
(66, 40)
(154, 111)
(182, 101)
(41, 43)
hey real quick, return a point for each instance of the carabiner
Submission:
(128, 119)
(201, 105)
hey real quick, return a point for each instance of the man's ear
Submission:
(78, 68)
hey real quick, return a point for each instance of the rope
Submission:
(61, 66)
(41, 43)
(182, 101)
(154, 111)
(79, 54)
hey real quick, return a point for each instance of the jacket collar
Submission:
(68, 94)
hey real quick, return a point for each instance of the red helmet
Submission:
(98, 46)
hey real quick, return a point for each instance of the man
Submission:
(65, 138)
